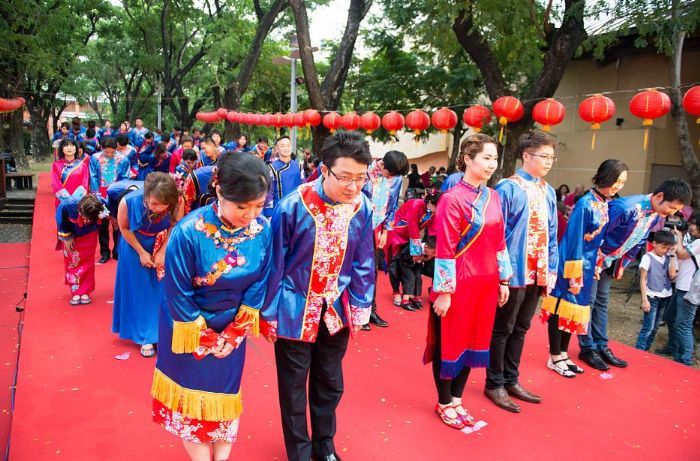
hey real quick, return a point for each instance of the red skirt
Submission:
(194, 430)
(80, 264)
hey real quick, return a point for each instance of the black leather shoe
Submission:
(407, 307)
(377, 320)
(607, 355)
(593, 360)
(104, 259)
(365, 327)
(331, 457)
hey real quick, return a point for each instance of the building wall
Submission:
(577, 162)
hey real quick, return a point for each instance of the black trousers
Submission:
(406, 278)
(509, 329)
(446, 388)
(558, 339)
(321, 363)
(103, 237)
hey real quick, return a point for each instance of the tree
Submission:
(326, 96)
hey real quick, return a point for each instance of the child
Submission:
(187, 165)
(657, 270)
(409, 269)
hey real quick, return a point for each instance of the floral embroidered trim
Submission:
(415, 247)
(360, 315)
(445, 276)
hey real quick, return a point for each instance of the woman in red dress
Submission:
(472, 269)
(70, 171)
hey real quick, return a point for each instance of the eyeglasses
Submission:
(348, 181)
(553, 158)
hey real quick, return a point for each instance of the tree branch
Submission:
(307, 57)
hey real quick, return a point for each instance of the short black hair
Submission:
(430, 241)
(177, 128)
(65, 125)
(674, 190)
(349, 144)
(608, 172)
(122, 139)
(109, 142)
(396, 163)
(91, 124)
(160, 148)
(242, 178)
(148, 135)
(263, 139)
(534, 139)
(281, 138)
(665, 237)
(90, 133)
(189, 154)
(432, 198)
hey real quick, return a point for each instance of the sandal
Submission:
(565, 372)
(455, 423)
(148, 352)
(75, 300)
(466, 418)
(85, 299)
(397, 299)
(572, 366)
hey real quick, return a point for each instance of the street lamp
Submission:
(294, 80)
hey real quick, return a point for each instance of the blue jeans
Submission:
(680, 329)
(597, 337)
(650, 323)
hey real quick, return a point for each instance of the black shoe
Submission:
(331, 457)
(663, 351)
(593, 360)
(104, 259)
(417, 304)
(407, 306)
(115, 255)
(610, 358)
(365, 327)
(377, 320)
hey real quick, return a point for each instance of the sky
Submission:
(328, 23)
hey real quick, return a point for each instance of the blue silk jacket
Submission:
(384, 194)
(322, 254)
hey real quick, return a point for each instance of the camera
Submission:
(678, 224)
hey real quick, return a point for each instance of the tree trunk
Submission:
(231, 130)
(688, 157)
(320, 134)
(17, 140)
(40, 143)
(456, 136)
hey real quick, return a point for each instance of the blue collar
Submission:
(523, 174)
(646, 205)
(318, 187)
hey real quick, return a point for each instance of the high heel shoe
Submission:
(455, 423)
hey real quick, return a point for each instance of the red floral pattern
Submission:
(194, 430)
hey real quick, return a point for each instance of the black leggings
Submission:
(446, 388)
(558, 339)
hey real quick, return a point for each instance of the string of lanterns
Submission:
(648, 105)
(10, 105)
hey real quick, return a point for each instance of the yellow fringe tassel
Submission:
(186, 335)
(573, 269)
(570, 311)
(202, 405)
(248, 314)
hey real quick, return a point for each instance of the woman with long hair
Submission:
(145, 217)
(567, 309)
(70, 171)
(472, 270)
(217, 266)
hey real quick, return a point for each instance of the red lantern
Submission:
(232, 116)
(393, 122)
(221, 112)
(475, 117)
(312, 117)
(369, 121)
(331, 121)
(10, 105)
(596, 110)
(508, 110)
(350, 121)
(267, 119)
(444, 119)
(299, 120)
(257, 119)
(278, 120)
(288, 120)
(691, 102)
(648, 105)
(418, 121)
(548, 112)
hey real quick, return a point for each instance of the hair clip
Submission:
(104, 212)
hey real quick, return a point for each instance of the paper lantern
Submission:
(393, 121)
(418, 121)
(444, 119)
(691, 102)
(331, 121)
(595, 110)
(299, 120)
(312, 117)
(221, 112)
(267, 119)
(508, 109)
(350, 121)
(11, 105)
(369, 121)
(278, 120)
(548, 112)
(232, 116)
(476, 116)
(649, 105)
(257, 119)
(288, 120)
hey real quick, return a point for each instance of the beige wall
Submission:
(577, 162)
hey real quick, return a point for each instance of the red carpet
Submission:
(14, 268)
(75, 401)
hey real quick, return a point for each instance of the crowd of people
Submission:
(217, 242)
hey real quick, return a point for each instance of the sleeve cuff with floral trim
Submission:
(445, 280)
(360, 315)
(415, 247)
(268, 328)
(62, 194)
(247, 320)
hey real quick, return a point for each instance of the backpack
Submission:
(693, 294)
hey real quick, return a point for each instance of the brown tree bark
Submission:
(17, 140)
(456, 136)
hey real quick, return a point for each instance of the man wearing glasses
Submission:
(529, 207)
(321, 288)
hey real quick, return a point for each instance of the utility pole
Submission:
(159, 93)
